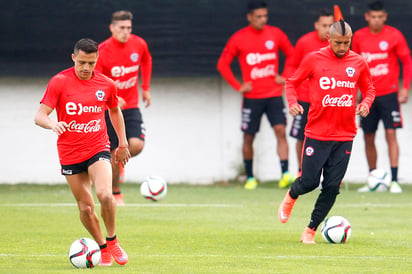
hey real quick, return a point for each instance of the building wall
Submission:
(193, 135)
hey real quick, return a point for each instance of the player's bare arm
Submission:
(295, 109)
(362, 110)
(246, 87)
(122, 102)
(403, 95)
(280, 80)
(42, 119)
(147, 98)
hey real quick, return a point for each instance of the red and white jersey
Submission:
(122, 62)
(307, 43)
(81, 104)
(382, 51)
(258, 55)
(333, 84)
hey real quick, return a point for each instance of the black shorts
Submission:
(329, 157)
(385, 108)
(134, 126)
(253, 110)
(299, 122)
(83, 166)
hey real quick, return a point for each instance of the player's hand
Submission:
(122, 155)
(246, 87)
(147, 99)
(60, 127)
(122, 102)
(279, 80)
(362, 110)
(403, 95)
(295, 109)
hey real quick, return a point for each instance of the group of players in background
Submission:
(321, 78)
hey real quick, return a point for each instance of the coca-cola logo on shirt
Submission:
(256, 58)
(267, 71)
(345, 100)
(89, 127)
(327, 83)
(77, 109)
(379, 70)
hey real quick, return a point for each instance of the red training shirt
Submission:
(121, 62)
(382, 51)
(333, 84)
(258, 55)
(81, 104)
(306, 44)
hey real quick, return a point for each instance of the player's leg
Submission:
(100, 174)
(252, 111)
(315, 155)
(275, 112)
(392, 120)
(333, 172)
(80, 186)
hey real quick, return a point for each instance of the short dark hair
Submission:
(87, 45)
(323, 12)
(376, 6)
(122, 15)
(254, 5)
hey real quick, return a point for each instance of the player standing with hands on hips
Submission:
(334, 75)
(309, 42)
(80, 96)
(257, 49)
(121, 58)
(383, 46)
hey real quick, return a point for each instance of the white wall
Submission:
(193, 135)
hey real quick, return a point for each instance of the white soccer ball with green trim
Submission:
(84, 253)
(336, 230)
(379, 180)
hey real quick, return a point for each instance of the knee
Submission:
(304, 186)
(136, 147)
(86, 210)
(105, 198)
(331, 189)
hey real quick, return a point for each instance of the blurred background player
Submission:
(80, 96)
(382, 46)
(334, 75)
(121, 57)
(257, 49)
(307, 43)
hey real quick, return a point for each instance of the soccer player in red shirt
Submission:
(383, 46)
(121, 58)
(80, 96)
(257, 49)
(307, 43)
(334, 75)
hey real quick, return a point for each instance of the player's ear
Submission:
(73, 57)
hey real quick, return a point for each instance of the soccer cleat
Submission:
(285, 208)
(286, 180)
(119, 199)
(395, 187)
(308, 236)
(251, 183)
(364, 189)
(105, 258)
(119, 255)
(121, 173)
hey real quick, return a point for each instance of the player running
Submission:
(121, 58)
(334, 75)
(80, 96)
(307, 43)
(257, 49)
(382, 46)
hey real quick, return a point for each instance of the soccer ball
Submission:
(336, 230)
(154, 188)
(379, 180)
(84, 253)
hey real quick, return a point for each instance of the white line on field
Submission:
(269, 257)
(127, 205)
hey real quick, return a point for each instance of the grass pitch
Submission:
(208, 229)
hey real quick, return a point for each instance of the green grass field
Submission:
(208, 229)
